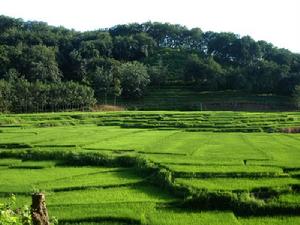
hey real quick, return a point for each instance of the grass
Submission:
(175, 217)
(223, 169)
(8, 162)
(129, 210)
(22, 180)
(222, 152)
(234, 184)
(33, 164)
(140, 193)
(293, 220)
(193, 121)
(289, 198)
(275, 149)
(109, 195)
(91, 223)
(100, 179)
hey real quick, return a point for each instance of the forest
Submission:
(47, 68)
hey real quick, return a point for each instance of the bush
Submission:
(11, 216)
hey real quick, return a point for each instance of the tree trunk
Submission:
(39, 211)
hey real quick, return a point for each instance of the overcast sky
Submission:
(276, 21)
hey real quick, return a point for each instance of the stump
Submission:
(39, 213)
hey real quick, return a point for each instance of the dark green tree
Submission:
(134, 79)
(39, 63)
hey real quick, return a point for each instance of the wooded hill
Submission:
(44, 67)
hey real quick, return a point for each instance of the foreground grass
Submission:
(270, 220)
(235, 184)
(167, 166)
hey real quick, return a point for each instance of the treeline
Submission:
(125, 59)
(22, 96)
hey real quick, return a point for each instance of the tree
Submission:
(39, 63)
(102, 82)
(79, 95)
(12, 75)
(5, 96)
(78, 67)
(42, 56)
(21, 97)
(4, 59)
(195, 69)
(222, 46)
(296, 95)
(134, 79)
(206, 74)
(95, 43)
(158, 73)
(39, 95)
(117, 90)
(247, 51)
(236, 79)
(265, 76)
(145, 45)
(287, 85)
(125, 48)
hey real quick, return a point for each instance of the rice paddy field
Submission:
(160, 168)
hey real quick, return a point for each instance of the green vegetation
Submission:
(154, 167)
(9, 215)
(290, 198)
(270, 220)
(234, 184)
(46, 68)
(183, 97)
(164, 217)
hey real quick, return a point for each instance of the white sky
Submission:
(276, 21)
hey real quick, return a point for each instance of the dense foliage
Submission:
(124, 59)
(22, 96)
(10, 216)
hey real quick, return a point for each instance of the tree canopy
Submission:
(123, 60)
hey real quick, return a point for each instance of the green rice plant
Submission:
(132, 211)
(290, 198)
(177, 217)
(96, 223)
(15, 145)
(249, 170)
(143, 193)
(224, 169)
(234, 184)
(8, 161)
(216, 121)
(34, 164)
(275, 220)
(99, 179)
(189, 160)
(25, 181)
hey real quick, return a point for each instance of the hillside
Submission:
(57, 69)
(185, 98)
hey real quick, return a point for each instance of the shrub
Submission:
(11, 216)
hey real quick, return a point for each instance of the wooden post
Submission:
(39, 213)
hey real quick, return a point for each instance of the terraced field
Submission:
(186, 97)
(155, 167)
